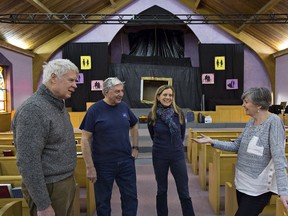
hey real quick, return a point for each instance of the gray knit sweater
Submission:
(45, 143)
(272, 138)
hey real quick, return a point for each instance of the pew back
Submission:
(8, 166)
(220, 171)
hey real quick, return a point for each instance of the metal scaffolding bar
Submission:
(161, 19)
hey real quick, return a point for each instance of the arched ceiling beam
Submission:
(197, 3)
(16, 49)
(113, 4)
(263, 10)
(42, 8)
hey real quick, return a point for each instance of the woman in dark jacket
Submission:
(166, 125)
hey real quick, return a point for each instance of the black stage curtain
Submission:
(157, 42)
(218, 93)
(98, 71)
(186, 81)
(156, 60)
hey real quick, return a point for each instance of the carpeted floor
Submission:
(146, 186)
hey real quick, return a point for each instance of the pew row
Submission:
(215, 133)
(8, 168)
(12, 148)
(6, 138)
(16, 180)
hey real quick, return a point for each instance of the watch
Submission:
(135, 147)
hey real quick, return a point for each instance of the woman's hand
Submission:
(203, 139)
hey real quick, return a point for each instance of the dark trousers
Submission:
(251, 205)
(124, 174)
(179, 172)
(61, 193)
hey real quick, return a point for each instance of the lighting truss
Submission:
(173, 19)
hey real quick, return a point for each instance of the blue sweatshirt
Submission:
(110, 128)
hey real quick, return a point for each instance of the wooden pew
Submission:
(231, 205)
(7, 138)
(6, 141)
(13, 208)
(205, 157)
(84, 183)
(214, 133)
(8, 167)
(231, 200)
(15, 181)
(189, 145)
(6, 135)
(7, 147)
(280, 209)
(220, 171)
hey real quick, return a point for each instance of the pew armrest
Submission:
(12, 208)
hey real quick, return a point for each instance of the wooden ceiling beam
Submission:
(262, 10)
(113, 3)
(197, 3)
(8, 46)
(41, 7)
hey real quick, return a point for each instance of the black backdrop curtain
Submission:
(99, 71)
(217, 93)
(157, 42)
(186, 81)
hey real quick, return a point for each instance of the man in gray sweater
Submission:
(45, 143)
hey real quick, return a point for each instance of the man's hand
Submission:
(135, 153)
(91, 174)
(46, 212)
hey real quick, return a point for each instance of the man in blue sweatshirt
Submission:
(110, 158)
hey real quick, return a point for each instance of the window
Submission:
(2, 91)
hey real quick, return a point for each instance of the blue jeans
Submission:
(124, 173)
(179, 172)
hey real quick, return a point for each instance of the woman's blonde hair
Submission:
(176, 108)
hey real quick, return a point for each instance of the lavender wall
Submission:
(22, 82)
